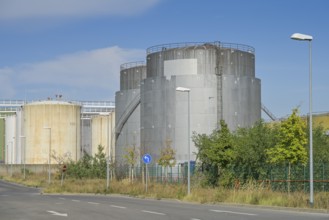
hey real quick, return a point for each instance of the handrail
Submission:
(269, 114)
(131, 65)
(218, 44)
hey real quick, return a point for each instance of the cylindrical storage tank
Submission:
(51, 127)
(127, 109)
(164, 113)
(221, 81)
(102, 129)
(131, 75)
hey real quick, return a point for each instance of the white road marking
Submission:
(156, 213)
(230, 212)
(195, 219)
(57, 213)
(74, 200)
(94, 203)
(119, 207)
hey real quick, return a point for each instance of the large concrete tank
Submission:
(102, 130)
(222, 83)
(51, 126)
(127, 108)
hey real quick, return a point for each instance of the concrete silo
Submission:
(51, 126)
(127, 108)
(222, 83)
(102, 132)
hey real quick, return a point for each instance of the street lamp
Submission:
(11, 157)
(24, 154)
(309, 38)
(49, 156)
(182, 89)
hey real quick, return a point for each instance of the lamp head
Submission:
(298, 36)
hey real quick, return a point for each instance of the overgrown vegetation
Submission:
(230, 159)
(88, 167)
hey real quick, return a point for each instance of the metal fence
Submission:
(275, 178)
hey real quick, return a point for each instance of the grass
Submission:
(251, 193)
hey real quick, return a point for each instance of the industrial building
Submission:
(30, 132)
(219, 81)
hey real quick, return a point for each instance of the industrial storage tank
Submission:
(127, 108)
(51, 126)
(102, 132)
(221, 84)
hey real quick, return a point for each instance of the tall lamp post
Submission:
(309, 38)
(182, 89)
(24, 159)
(49, 156)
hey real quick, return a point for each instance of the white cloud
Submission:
(6, 82)
(75, 75)
(21, 9)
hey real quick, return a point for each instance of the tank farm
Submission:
(151, 114)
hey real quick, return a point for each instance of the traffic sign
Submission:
(147, 158)
(64, 168)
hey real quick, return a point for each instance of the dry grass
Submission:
(251, 193)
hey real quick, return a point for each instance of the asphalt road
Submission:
(22, 203)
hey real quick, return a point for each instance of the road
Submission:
(23, 203)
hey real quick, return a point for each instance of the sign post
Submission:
(146, 159)
(63, 171)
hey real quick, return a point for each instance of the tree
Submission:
(290, 147)
(99, 163)
(167, 157)
(251, 145)
(320, 144)
(131, 158)
(216, 152)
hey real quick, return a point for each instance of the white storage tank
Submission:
(51, 126)
(102, 132)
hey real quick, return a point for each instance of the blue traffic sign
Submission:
(147, 158)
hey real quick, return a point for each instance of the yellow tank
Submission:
(102, 129)
(51, 126)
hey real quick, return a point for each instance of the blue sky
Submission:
(75, 47)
